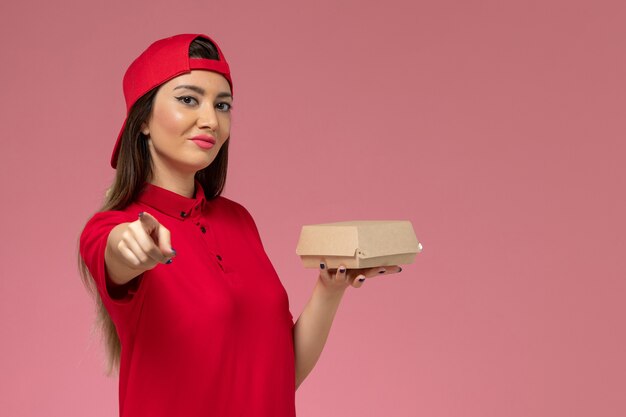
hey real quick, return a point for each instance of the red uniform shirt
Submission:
(211, 333)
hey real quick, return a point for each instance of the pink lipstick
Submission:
(203, 141)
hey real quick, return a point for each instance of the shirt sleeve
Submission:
(93, 242)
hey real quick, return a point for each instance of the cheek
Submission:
(169, 120)
(225, 123)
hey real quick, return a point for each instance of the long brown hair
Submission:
(134, 168)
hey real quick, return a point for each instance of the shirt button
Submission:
(219, 258)
(183, 214)
(202, 229)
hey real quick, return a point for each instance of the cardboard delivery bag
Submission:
(358, 244)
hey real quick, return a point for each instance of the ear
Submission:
(144, 129)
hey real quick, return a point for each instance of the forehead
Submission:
(210, 81)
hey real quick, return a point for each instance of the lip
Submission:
(203, 141)
(204, 138)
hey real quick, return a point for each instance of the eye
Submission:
(188, 100)
(223, 106)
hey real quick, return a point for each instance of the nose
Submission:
(207, 118)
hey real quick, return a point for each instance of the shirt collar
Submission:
(173, 204)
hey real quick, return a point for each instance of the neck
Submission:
(175, 182)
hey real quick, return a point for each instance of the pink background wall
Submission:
(496, 127)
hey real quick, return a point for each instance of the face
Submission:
(189, 112)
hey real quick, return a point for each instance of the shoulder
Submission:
(234, 211)
(110, 217)
(229, 206)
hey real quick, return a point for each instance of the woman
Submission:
(203, 329)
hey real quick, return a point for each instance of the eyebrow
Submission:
(201, 91)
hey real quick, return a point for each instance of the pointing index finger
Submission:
(158, 233)
(149, 223)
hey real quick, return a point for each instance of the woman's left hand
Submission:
(341, 278)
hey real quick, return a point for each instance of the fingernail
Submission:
(382, 271)
(322, 266)
(400, 269)
(169, 261)
(361, 279)
(140, 214)
(173, 251)
(342, 269)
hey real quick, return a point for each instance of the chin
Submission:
(203, 164)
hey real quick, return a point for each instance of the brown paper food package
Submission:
(358, 244)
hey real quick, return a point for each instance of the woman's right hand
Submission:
(135, 247)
